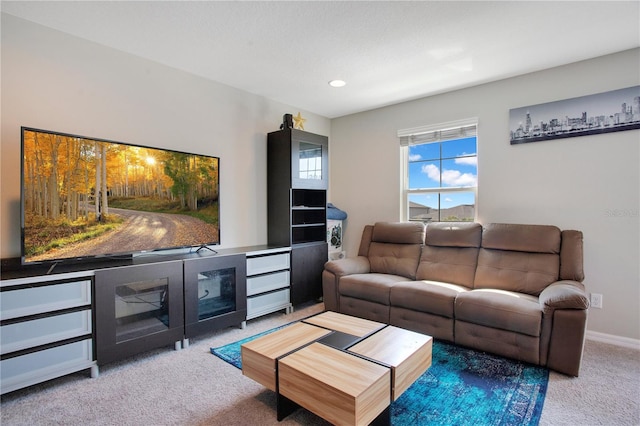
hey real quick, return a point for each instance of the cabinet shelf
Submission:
(307, 234)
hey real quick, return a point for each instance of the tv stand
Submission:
(57, 322)
(53, 265)
(206, 247)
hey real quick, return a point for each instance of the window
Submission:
(440, 172)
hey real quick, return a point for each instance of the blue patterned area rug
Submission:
(462, 387)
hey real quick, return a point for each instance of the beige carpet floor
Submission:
(194, 387)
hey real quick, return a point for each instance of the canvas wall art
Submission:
(613, 111)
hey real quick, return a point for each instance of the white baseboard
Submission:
(613, 340)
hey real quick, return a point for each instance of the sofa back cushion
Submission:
(521, 258)
(450, 253)
(395, 248)
(398, 232)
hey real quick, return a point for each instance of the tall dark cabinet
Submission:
(297, 181)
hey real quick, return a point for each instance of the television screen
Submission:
(86, 197)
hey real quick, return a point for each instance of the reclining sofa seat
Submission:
(447, 268)
(513, 290)
(388, 254)
(511, 309)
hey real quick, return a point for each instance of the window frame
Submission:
(432, 134)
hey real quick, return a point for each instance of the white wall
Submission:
(58, 82)
(573, 183)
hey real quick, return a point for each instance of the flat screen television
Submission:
(85, 198)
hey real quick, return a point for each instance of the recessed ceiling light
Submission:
(337, 83)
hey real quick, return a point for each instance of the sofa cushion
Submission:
(395, 259)
(451, 253)
(398, 232)
(500, 309)
(521, 272)
(453, 234)
(456, 265)
(426, 296)
(527, 238)
(395, 248)
(373, 287)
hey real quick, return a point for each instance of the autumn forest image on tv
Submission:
(85, 197)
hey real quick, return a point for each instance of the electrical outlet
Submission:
(596, 300)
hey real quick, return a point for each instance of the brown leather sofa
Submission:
(509, 289)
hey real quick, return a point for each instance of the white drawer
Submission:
(266, 303)
(36, 367)
(35, 300)
(23, 335)
(264, 283)
(264, 264)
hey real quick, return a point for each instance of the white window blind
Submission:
(439, 132)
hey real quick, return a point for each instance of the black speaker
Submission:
(287, 121)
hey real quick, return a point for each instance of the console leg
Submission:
(95, 372)
(185, 343)
(178, 345)
(243, 325)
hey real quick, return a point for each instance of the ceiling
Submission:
(387, 51)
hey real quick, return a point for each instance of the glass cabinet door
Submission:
(142, 307)
(309, 160)
(310, 157)
(137, 308)
(216, 292)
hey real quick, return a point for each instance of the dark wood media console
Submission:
(72, 317)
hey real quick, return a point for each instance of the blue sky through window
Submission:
(440, 165)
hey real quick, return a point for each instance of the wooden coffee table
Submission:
(346, 370)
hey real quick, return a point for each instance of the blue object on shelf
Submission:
(334, 213)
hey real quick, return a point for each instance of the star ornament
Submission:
(298, 122)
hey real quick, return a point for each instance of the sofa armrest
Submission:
(348, 266)
(564, 294)
(565, 307)
(333, 271)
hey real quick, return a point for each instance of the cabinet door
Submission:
(138, 308)
(307, 263)
(309, 160)
(215, 292)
